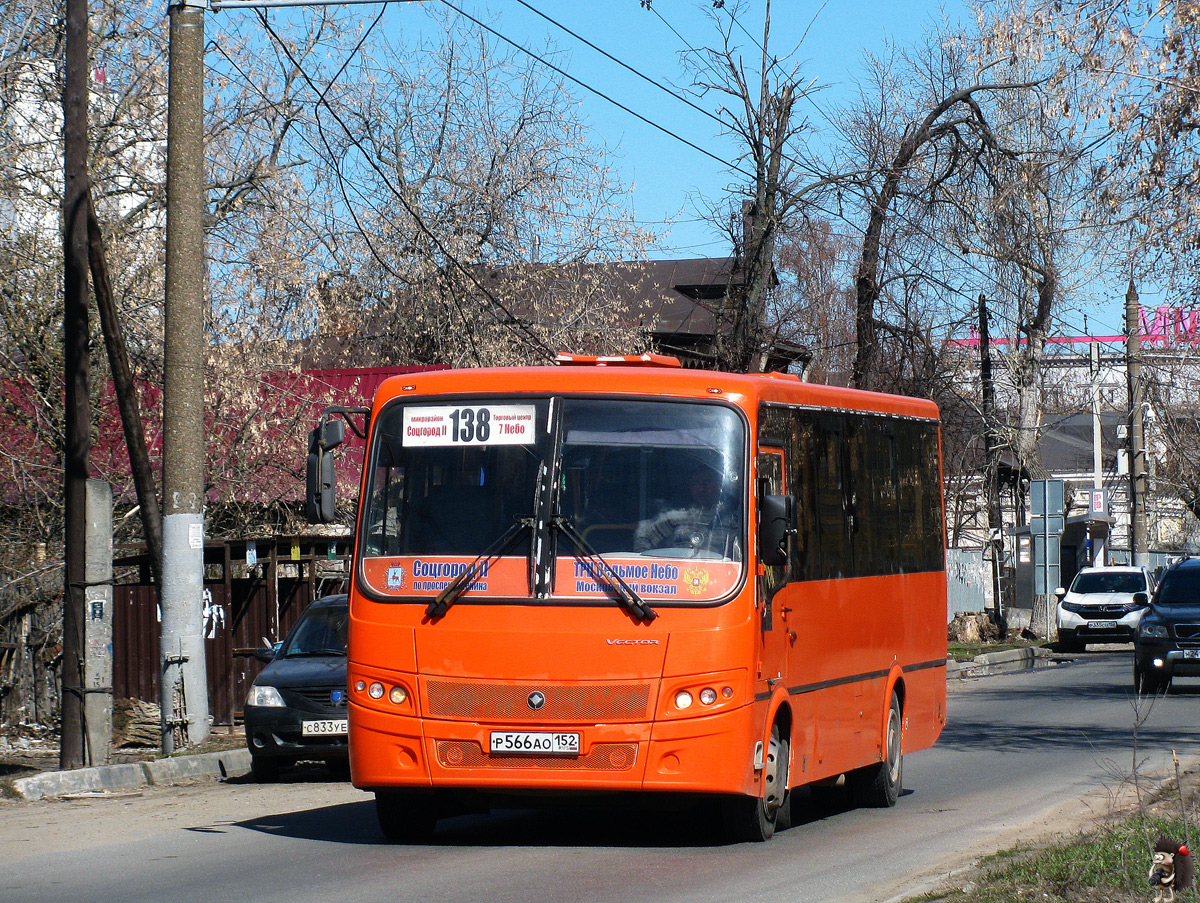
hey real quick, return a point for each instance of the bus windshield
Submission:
(631, 480)
(653, 478)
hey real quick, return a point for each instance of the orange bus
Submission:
(615, 574)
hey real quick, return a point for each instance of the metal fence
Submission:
(262, 603)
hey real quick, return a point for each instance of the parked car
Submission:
(296, 708)
(1168, 637)
(1100, 606)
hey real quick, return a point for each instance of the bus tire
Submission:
(878, 786)
(755, 818)
(405, 817)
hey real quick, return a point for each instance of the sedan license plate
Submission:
(1191, 653)
(325, 728)
(534, 743)
(1103, 625)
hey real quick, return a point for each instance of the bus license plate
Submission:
(533, 743)
(1103, 625)
(327, 728)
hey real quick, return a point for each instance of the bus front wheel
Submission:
(755, 818)
(406, 817)
(878, 786)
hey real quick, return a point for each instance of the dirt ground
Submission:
(86, 820)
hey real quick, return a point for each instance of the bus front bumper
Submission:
(711, 754)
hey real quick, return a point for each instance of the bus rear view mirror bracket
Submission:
(320, 479)
(777, 521)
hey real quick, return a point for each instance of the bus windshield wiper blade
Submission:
(317, 653)
(626, 594)
(459, 584)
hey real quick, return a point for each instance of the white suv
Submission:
(1100, 608)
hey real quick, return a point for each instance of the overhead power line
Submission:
(534, 339)
(545, 62)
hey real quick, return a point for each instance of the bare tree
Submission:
(757, 106)
(457, 159)
(813, 305)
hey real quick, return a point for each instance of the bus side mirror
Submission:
(776, 521)
(320, 482)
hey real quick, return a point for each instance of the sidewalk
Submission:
(29, 759)
(133, 775)
(1023, 659)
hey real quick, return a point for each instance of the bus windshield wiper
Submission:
(462, 582)
(316, 653)
(601, 569)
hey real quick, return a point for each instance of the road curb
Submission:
(1023, 659)
(133, 775)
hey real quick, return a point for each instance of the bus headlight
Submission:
(703, 694)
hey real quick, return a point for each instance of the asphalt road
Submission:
(1035, 752)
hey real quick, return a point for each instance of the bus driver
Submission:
(697, 525)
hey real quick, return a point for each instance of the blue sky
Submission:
(827, 38)
(670, 179)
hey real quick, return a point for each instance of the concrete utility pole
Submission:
(76, 367)
(182, 671)
(1138, 532)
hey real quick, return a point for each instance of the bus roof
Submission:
(648, 377)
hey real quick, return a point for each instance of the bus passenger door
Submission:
(780, 627)
(778, 634)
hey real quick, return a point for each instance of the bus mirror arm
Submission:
(776, 522)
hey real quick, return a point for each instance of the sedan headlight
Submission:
(1153, 631)
(264, 696)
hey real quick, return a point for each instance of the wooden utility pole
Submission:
(1138, 530)
(76, 366)
(992, 465)
(127, 395)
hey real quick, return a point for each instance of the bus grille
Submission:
(511, 704)
(601, 757)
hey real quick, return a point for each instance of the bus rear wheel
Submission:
(755, 818)
(878, 786)
(406, 817)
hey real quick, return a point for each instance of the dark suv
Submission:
(1167, 643)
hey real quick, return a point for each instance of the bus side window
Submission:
(770, 482)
